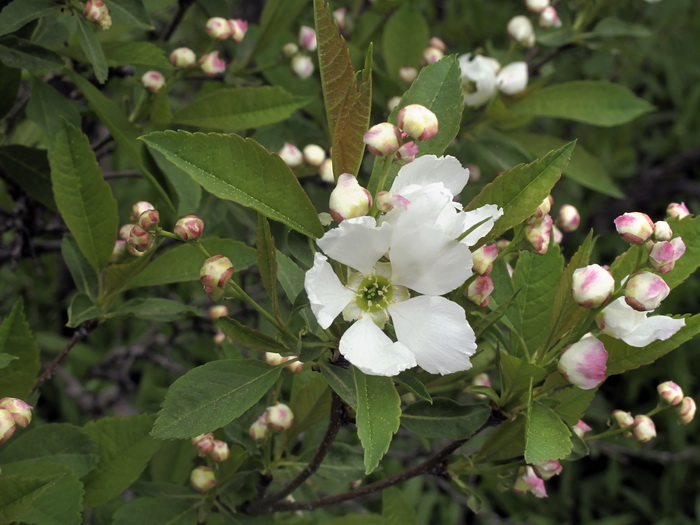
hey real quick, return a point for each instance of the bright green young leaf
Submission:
(6, 359)
(125, 448)
(378, 415)
(131, 13)
(689, 230)
(290, 276)
(16, 339)
(444, 418)
(22, 54)
(398, 49)
(83, 274)
(341, 381)
(521, 189)
(547, 437)
(29, 168)
(593, 102)
(240, 108)
(17, 493)
(242, 171)
(10, 80)
(276, 17)
(47, 107)
(20, 12)
(135, 54)
(397, 508)
(247, 336)
(267, 262)
(212, 395)
(516, 373)
(83, 197)
(92, 48)
(155, 309)
(166, 511)
(347, 104)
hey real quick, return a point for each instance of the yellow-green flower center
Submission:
(374, 293)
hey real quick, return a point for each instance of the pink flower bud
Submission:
(544, 208)
(291, 155)
(302, 66)
(644, 429)
(635, 227)
(296, 366)
(211, 64)
(538, 233)
(418, 121)
(437, 43)
(339, 16)
(349, 199)
(480, 289)
(189, 227)
(125, 231)
(148, 220)
(258, 430)
(307, 38)
(202, 479)
(220, 451)
(483, 259)
(663, 255)
(557, 235)
(140, 207)
(536, 6)
(549, 18)
(678, 210)
(183, 57)
(662, 231)
(481, 380)
(569, 218)
(7, 425)
(644, 291)
(520, 29)
(238, 29)
(279, 417)
(217, 311)
(118, 250)
(592, 286)
(217, 27)
(20, 411)
(139, 239)
(204, 443)
(669, 392)
(326, 171)
(314, 155)
(583, 364)
(581, 428)
(432, 55)
(387, 201)
(686, 411)
(547, 469)
(153, 81)
(407, 152)
(408, 74)
(622, 418)
(219, 338)
(98, 13)
(216, 272)
(383, 139)
(528, 481)
(513, 78)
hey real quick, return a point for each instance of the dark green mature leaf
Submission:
(506, 442)
(290, 276)
(17, 379)
(240, 170)
(119, 276)
(82, 308)
(572, 402)
(6, 359)
(17, 493)
(22, 54)
(92, 48)
(188, 193)
(212, 395)
(250, 337)
(147, 511)
(47, 107)
(612, 27)
(131, 13)
(689, 230)
(21, 12)
(155, 309)
(444, 418)
(29, 168)
(125, 448)
(378, 415)
(310, 402)
(521, 189)
(408, 379)
(83, 275)
(547, 437)
(10, 79)
(267, 262)
(398, 49)
(135, 54)
(341, 381)
(276, 17)
(240, 108)
(347, 104)
(83, 197)
(517, 373)
(397, 508)
(593, 102)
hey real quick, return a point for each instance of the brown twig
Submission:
(182, 7)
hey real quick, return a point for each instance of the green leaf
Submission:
(397, 509)
(125, 448)
(689, 230)
(572, 402)
(548, 438)
(135, 54)
(341, 381)
(593, 102)
(131, 13)
(276, 17)
(83, 197)
(250, 337)
(612, 27)
(310, 402)
(444, 418)
(182, 263)
(29, 168)
(399, 50)
(626, 263)
(347, 104)
(22, 54)
(212, 395)
(187, 192)
(17, 493)
(583, 167)
(521, 189)
(47, 107)
(516, 373)
(10, 80)
(267, 263)
(21, 12)
(92, 49)
(240, 108)
(290, 276)
(118, 276)
(505, 442)
(82, 308)
(153, 511)
(240, 170)
(155, 309)
(82, 273)
(6, 359)
(378, 415)
(17, 379)
(413, 384)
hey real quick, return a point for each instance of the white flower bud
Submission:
(7, 425)
(392, 103)
(432, 55)
(153, 81)
(279, 417)
(21, 412)
(569, 218)
(580, 428)
(538, 233)
(326, 171)
(238, 29)
(202, 479)
(383, 139)
(677, 209)
(418, 122)
(138, 208)
(216, 311)
(211, 64)
(291, 155)
(583, 364)
(592, 286)
(512, 78)
(407, 152)
(644, 291)
(218, 28)
(408, 74)
(483, 259)
(189, 227)
(669, 392)
(314, 155)
(97, 12)
(520, 29)
(387, 201)
(349, 200)
(214, 274)
(548, 469)
(339, 16)
(290, 49)
(307, 38)
(662, 231)
(622, 418)
(118, 250)
(634, 227)
(536, 6)
(258, 430)
(437, 43)
(549, 18)
(204, 443)
(686, 411)
(220, 451)
(644, 429)
(478, 79)
(302, 66)
(183, 57)
(663, 255)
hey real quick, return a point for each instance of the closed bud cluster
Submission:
(538, 233)
(536, 6)
(238, 29)
(408, 74)
(644, 429)
(326, 171)
(583, 364)
(669, 392)
(529, 481)
(215, 273)
(20, 411)
(644, 291)
(581, 428)
(98, 13)
(302, 66)
(202, 479)
(418, 122)
(349, 200)
(291, 155)
(592, 286)
(432, 55)
(218, 28)
(307, 38)
(634, 227)
(686, 410)
(483, 259)
(139, 239)
(623, 419)
(140, 207)
(290, 49)
(279, 417)
(7, 425)
(149, 219)
(314, 155)
(216, 311)
(153, 81)
(664, 254)
(383, 139)
(549, 18)
(258, 430)
(479, 290)
(183, 57)
(387, 201)
(407, 152)
(220, 451)
(189, 228)
(211, 64)
(547, 469)
(569, 218)
(678, 210)
(520, 29)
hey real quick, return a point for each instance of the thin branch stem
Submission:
(182, 7)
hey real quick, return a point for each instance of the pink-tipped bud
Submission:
(644, 291)
(520, 29)
(678, 210)
(204, 443)
(211, 64)
(432, 55)
(634, 227)
(349, 199)
(592, 286)
(513, 78)
(7, 425)
(97, 12)
(538, 233)
(383, 139)
(290, 49)
(664, 254)
(549, 18)
(314, 155)
(140, 207)
(528, 481)
(258, 430)
(302, 66)
(238, 29)
(437, 43)
(217, 27)
(418, 121)
(149, 219)
(274, 359)
(479, 290)
(202, 479)
(408, 74)
(20, 411)
(557, 235)
(481, 380)
(216, 311)
(547, 469)
(139, 239)
(125, 231)
(279, 417)
(623, 419)
(644, 429)
(580, 428)
(153, 81)
(216, 271)
(307, 38)
(569, 218)
(669, 392)
(483, 259)
(583, 364)
(189, 227)
(536, 6)
(118, 250)
(686, 411)
(219, 338)
(339, 16)
(183, 57)
(662, 231)
(326, 171)
(544, 208)
(387, 201)
(291, 155)
(407, 152)
(296, 366)
(220, 451)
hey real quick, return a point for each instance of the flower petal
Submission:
(618, 319)
(489, 213)
(358, 243)
(429, 169)
(436, 331)
(327, 294)
(371, 350)
(656, 328)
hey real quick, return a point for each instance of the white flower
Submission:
(621, 321)
(478, 79)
